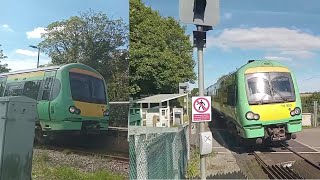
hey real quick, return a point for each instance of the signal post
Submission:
(204, 14)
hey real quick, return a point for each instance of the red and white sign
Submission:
(201, 109)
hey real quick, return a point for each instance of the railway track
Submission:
(82, 151)
(278, 171)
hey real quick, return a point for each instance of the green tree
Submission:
(3, 67)
(195, 92)
(95, 40)
(160, 52)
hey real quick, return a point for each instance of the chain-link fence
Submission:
(158, 153)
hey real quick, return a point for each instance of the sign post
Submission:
(204, 14)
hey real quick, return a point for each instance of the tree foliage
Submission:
(307, 102)
(95, 40)
(3, 67)
(160, 52)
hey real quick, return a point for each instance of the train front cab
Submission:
(77, 104)
(273, 107)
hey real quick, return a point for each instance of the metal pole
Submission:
(38, 56)
(201, 93)
(187, 103)
(315, 113)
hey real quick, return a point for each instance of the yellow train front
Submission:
(260, 102)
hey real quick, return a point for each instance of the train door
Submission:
(44, 95)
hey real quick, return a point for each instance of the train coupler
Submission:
(277, 133)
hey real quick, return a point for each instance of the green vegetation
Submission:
(193, 169)
(307, 102)
(43, 170)
(160, 52)
(3, 67)
(95, 40)
(306, 127)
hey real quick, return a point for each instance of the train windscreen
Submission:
(87, 88)
(269, 87)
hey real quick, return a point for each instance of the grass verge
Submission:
(42, 169)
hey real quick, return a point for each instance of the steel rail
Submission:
(276, 171)
(304, 158)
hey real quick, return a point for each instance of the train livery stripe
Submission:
(90, 109)
(26, 75)
(266, 69)
(271, 112)
(83, 71)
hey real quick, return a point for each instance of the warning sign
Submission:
(201, 109)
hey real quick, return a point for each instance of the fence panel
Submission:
(158, 153)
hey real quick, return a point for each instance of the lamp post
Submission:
(36, 47)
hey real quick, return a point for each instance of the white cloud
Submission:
(228, 15)
(35, 33)
(278, 58)
(292, 42)
(27, 52)
(6, 27)
(16, 64)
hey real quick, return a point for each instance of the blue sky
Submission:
(21, 23)
(287, 31)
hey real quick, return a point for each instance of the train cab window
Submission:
(87, 88)
(31, 89)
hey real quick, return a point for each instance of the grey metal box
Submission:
(17, 127)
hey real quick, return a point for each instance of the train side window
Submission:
(46, 88)
(3, 81)
(31, 89)
(231, 95)
(14, 89)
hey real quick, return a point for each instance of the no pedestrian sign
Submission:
(201, 109)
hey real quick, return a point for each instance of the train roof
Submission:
(39, 69)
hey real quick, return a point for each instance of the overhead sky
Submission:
(287, 31)
(22, 22)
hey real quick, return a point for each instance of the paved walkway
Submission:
(222, 161)
(310, 137)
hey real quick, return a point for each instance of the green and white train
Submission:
(260, 102)
(72, 98)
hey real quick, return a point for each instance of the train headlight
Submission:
(292, 113)
(78, 111)
(256, 117)
(297, 111)
(249, 115)
(72, 109)
(106, 113)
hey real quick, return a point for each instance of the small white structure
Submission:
(306, 119)
(156, 111)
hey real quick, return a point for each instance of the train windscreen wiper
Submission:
(277, 92)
